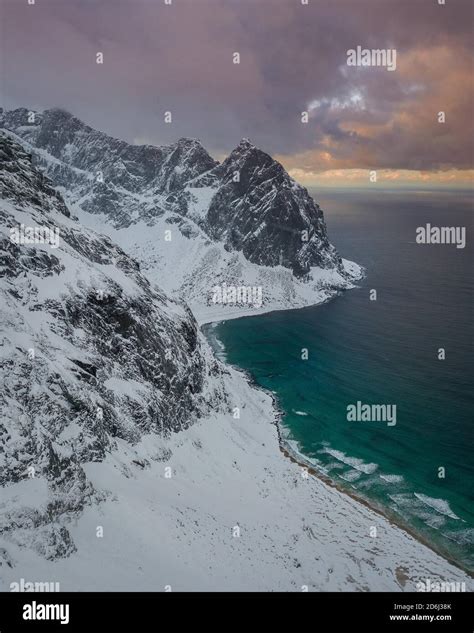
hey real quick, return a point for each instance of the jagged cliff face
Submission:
(91, 355)
(266, 214)
(248, 204)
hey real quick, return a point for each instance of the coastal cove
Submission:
(383, 351)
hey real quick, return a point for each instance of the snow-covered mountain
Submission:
(193, 224)
(91, 354)
(99, 369)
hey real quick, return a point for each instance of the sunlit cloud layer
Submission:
(179, 58)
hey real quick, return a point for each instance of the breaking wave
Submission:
(440, 505)
(354, 462)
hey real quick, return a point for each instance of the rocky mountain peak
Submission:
(248, 152)
(245, 144)
(186, 141)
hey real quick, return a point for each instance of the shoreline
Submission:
(300, 459)
(214, 317)
(207, 314)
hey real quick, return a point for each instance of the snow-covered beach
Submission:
(224, 509)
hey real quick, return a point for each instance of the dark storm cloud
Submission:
(293, 58)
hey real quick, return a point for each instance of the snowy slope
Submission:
(91, 353)
(180, 531)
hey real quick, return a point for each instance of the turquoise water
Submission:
(385, 352)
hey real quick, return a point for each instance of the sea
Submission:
(382, 348)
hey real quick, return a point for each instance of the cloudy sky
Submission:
(293, 59)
